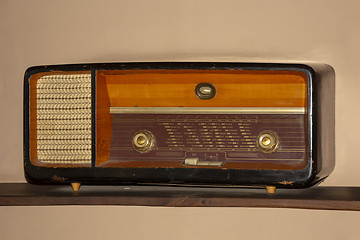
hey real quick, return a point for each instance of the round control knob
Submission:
(143, 141)
(267, 141)
(205, 91)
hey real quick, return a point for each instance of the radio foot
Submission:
(75, 186)
(270, 189)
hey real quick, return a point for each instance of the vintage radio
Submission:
(222, 124)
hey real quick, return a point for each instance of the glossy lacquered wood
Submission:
(327, 198)
(234, 88)
(104, 121)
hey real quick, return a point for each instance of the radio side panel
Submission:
(324, 119)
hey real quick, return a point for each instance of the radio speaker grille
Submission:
(64, 119)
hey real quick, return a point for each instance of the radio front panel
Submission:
(101, 122)
(224, 131)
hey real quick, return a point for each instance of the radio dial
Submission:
(143, 141)
(267, 141)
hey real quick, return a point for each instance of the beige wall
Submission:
(54, 32)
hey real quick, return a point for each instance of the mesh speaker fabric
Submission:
(64, 119)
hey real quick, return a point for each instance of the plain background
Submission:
(59, 32)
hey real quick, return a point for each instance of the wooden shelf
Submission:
(335, 198)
